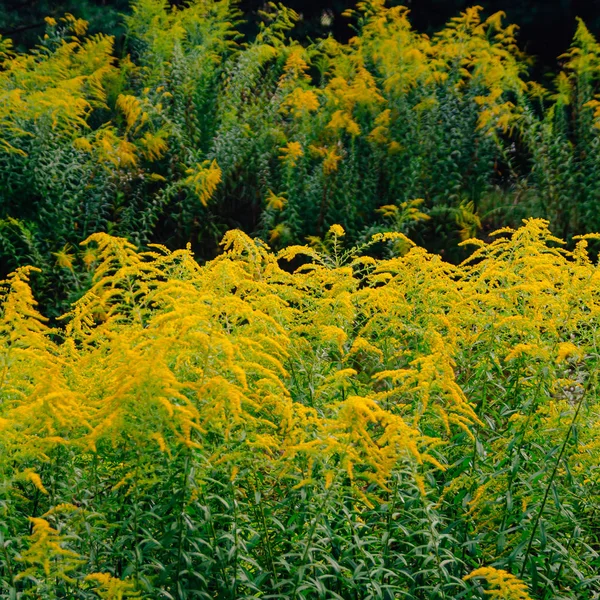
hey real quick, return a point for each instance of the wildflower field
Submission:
(298, 321)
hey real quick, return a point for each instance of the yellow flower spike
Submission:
(303, 483)
(330, 156)
(567, 350)
(65, 258)
(109, 587)
(329, 478)
(300, 103)
(279, 232)
(160, 440)
(295, 66)
(420, 484)
(331, 161)
(342, 120)
(64, 508)
(47, 554)
(89, 257)
(275, 202)
(79, 26)
(337, 231)
(154, 147)
(519, 350)
(502, 584)
(35, 479)
(131, 108)
(83, 144)
(203, 180)
(290, 153)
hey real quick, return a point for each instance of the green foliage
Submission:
(23, 20)
(399, 428)
(564, 143)
(194, 131)
(383, 428)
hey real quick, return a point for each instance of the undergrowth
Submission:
(360, 428)
(193, 130)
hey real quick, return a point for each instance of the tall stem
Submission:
(547, 492)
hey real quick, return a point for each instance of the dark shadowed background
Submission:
(546, 25)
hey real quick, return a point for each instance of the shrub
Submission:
(194, 132)
(359, 428)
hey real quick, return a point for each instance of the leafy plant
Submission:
(357, 428)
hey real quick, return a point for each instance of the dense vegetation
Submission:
(384, 429)
(303, 402)
(545, 28)
(194, 132)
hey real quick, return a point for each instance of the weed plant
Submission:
(360, 428)
(193, 131)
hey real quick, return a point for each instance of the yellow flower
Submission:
(89, 257)
(131, 108)
(275, 202)
(154, 145)
(300, 102)
(278, 233)
(329, 477)
(64, 258)
(78, 26)
(567, 350)
(330, 156)
(47, 553)
(519, 350)
(330, 163)
(203, 180)
(290, 153)
(337, 231)
(468, 220)
(109, 587)
(295, 65)
(34, 478)
(341, 120)
(502, 584)
(82, 144)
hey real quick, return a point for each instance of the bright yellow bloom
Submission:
(502, 584)
(275, 202)
(567, 350)
(300, 102)
(65, 258)
(204, 180)
(337, 231)
(341, 120)
(290, 153)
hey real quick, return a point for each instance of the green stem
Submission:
(552, 476)
(235, 541)
(267, 539)
(313, 528)
(180, 519)
(8, 566)
(213, 534)
(135, 526)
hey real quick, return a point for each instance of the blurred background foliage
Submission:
(173, 124)
(546, 28)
